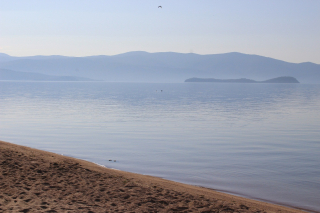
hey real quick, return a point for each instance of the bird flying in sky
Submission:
(159, 6)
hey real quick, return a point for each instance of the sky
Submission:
(288, 30)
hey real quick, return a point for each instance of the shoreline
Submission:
(33, 180)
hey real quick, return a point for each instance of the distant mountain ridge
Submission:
(10, 75)
(283, 79)
(163, 67)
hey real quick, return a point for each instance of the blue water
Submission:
(260, 141)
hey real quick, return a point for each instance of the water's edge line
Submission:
(215, 190)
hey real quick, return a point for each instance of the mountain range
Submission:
(10, 75)
(162, 67)
(283, 79)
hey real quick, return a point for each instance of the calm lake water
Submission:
(260, 141)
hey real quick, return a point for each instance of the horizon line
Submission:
(156, 53)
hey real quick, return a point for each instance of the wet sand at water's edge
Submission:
(32, 180)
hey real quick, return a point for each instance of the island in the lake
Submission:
(284, 79)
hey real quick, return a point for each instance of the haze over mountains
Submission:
(283, 79)
(162, 67)
(10, 75)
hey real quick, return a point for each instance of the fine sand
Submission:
(38, 181)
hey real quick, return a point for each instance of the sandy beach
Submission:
(32, 180)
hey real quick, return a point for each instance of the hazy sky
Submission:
(284, 29)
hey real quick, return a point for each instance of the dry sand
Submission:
(38, 181)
